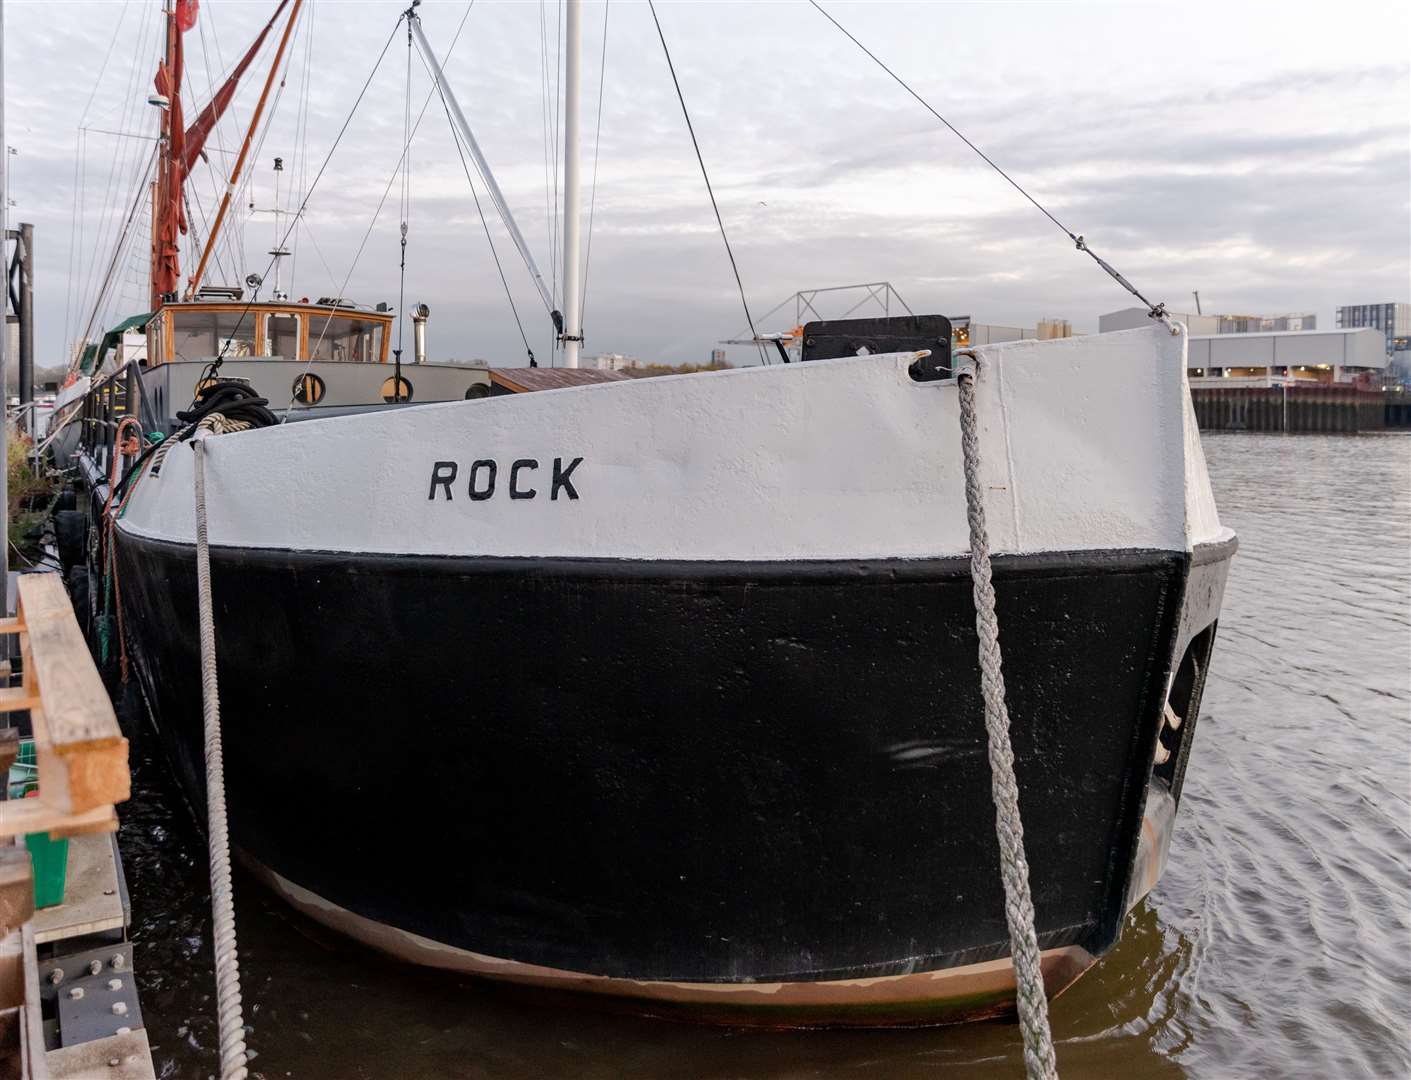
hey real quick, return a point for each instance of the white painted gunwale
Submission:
(1087, 444)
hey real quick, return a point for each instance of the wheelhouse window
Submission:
(345, 338)
(201, 335)
(282, 335)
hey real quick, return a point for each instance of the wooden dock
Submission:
(68, 1000)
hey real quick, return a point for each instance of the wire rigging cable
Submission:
(465, 165)
(557, 143)
(96, 282)
(651, 4)
(1155, 311)
(553, 148)
(214, 366)
(396, 171)
(301, 141)
(80, 147)
(597, 142)
(546, 110)
(236, 258)
(406, 217)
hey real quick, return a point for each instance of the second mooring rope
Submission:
(230, 1016)
(1039, 1060)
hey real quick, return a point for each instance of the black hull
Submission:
(709, 773)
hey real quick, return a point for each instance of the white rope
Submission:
(231, 1022)
(1039, 1060)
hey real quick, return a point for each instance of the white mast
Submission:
(572, 330)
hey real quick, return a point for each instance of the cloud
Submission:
(1270, 179)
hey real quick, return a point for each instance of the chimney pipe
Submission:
(420, 314)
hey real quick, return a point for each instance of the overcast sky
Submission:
(1259, 154)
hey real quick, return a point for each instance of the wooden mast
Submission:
(195, 281)
(161, 187)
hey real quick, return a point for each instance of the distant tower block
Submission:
(1054, 328)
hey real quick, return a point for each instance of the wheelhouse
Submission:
(327, 331)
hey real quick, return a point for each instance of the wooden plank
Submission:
(91, 895)
(12, 970)
(21, 816)
(76, 779)
(86, 1061)
(15, 698)
(11, 625)
(82, 755)
(76, 705)
(9, 751)
(16, 886)
(32, 1052)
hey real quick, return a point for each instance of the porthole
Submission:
(389, 390)
(477, 390)
(308, 389)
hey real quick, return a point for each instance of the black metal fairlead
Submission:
(930, 334)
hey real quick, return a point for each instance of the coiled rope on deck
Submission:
(230, 1017)
(1039, 1062)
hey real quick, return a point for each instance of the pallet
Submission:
(82, 764)
(79, 749)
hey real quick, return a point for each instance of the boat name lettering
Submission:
(482, 475)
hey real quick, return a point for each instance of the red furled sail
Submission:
(182, 146)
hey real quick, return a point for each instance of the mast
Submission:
(166, 223)
(572, 330)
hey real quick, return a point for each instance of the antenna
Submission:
(1196, 294)
(279, 251)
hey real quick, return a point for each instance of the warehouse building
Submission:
(1274, 358)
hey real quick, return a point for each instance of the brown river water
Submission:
(1278, 943)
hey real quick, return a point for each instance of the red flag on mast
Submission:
(186, 14)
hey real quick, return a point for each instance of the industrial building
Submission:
(965, 331)
(611, 362)
(1393, 320)
(1130, 318)
(1278, 357)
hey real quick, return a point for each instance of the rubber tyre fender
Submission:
(80, 594)
(71, 537)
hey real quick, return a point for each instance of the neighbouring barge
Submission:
(682, 671)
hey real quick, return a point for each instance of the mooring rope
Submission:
(1039, 1060)
(230, 1017)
